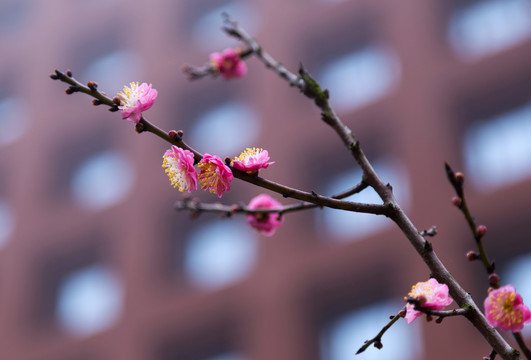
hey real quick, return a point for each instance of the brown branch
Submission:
(377, 340)
(198, 72)
(175, 138)
(456, 179)
(197, 207)
(311, 89)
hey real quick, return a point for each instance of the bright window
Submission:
(114, 70)
(14, 120)
(220, 253)
(345, 336)
(102, 180)
(89, 300)
(207, 32)
(489, 26)
(360, 77)
(7, 223)
(225, 130)
(349, 225)
(497, 151)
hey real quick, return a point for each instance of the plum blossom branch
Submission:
(209, 69)
(441, 314)
(312, 90)
(198, 207)
(377, 340)
(176, 138)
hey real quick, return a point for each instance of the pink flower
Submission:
(266, 223)
(179, 166)
(214, 174)
(252, 160)
(433, 296)
(228, 64)
(505, 309)
(136, 99)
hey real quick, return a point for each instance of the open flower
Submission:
(228, 64)
(214, 175)
(252, 160)
(266, 223)
(179, 164)
(136, 99)
(431, 295)
(505, 309)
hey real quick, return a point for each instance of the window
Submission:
(517, 274)
(360, 77)
(7, 223)
(220, 253)
(89, 300)
(14, 119)
(207, 32)
(347, 334)
(497, 150)
(114, 70)
(12, 14)
(225, 130)
(489, 26)
(102, 180)
(348, 225)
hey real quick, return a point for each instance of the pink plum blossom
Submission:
(228, 64)
(136, 99)
(433, 296)
(252, 160)
(266, 223)
(505, 309)
(179, 164)
(214, 175)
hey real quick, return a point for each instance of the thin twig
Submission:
(208, 69)
(377, 340)
(197, 207)
(457, 182)
(429, 232)
(521, 343)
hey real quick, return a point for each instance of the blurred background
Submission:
(96, 264)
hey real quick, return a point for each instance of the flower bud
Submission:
(96, 102)
(494, 279)
(472, 255)
(378, 345)
(69, 73)
(457, 201)
(481, 230)
(116, 100)
(459, 176)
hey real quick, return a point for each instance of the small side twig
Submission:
(441, 314)
(429, 232)
(377, 340)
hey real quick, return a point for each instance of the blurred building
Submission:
(96, 264)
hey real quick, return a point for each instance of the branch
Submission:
(429, 232)
(175, 138)
(198, 72)
(312, 90)
(441, 314)
(377, 340)
(198, 207)
(457, 180)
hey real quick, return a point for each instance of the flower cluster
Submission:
(252, 160)
(505, 309)
(135, 99)
(431, 295)
(266, 223)
(228, 64)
